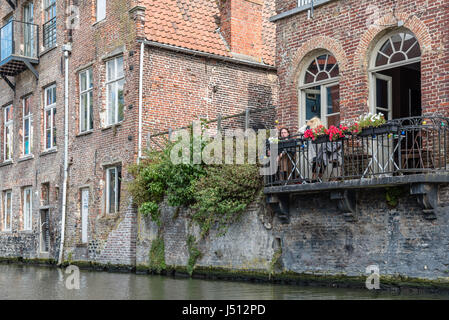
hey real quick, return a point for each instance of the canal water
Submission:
(36, 282)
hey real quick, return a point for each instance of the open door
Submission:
(383, 98)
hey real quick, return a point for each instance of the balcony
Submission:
(19, 43)
(409, 151)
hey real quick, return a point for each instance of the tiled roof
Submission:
(190, 24)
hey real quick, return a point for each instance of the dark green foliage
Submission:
(157, 255)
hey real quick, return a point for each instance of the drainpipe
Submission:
(139, 153)
(67, 49)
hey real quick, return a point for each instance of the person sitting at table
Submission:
(285, 157)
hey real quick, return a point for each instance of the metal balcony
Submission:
(19, 49)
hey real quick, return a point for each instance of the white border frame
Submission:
(373, 69)
(30, 128)
(52, 108)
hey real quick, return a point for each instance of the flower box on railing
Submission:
(383, 129)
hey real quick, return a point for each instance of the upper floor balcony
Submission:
(410, 152)
(19, 48)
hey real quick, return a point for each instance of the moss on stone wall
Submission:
(157, 255)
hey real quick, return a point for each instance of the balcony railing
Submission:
(19, 43)
(49, 33)
(418, 145)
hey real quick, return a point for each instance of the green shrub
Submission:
(218, 194)
(223, 194)
(194, 254)
(157, 255)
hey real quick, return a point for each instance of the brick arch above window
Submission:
(311, 48)
(385, 25)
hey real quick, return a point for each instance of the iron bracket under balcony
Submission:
(12, 3)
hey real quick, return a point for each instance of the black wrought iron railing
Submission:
(49, 33)
(401, 146)
(20, 39)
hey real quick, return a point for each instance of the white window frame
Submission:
(87, 92)
(372, 71)
(100, 10)
(323, 85)
(116, 190)
(113, 82)
(27, 209)
(52, 108)
(7, 156)
(29, 118)
(5, 210)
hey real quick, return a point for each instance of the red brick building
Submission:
(134, 67)
(389, 56)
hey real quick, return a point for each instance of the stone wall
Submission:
(318, 240)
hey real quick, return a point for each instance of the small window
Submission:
(101, 10)
(113, 179)
(7, 210)
(49, 117)
(8, 133)
(27, 208)
(86, 98)
(115, 80)
(49, 27)
(27, 139)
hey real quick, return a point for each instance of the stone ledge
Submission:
(359, 183)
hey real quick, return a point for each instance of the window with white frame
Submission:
(7, 210)
(27, 208)
(8, 133)
(49, 117)
(86, 98)
(101, 10)
(113, 178)
(27, 139)
(115, 80)
(320, 91)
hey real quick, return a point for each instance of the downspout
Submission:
(142, 51)
(67, 48)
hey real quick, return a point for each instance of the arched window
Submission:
(398, 47)
(395, 78)
(320, 91)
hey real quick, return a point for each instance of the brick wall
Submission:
(349, 30)
(42, 167)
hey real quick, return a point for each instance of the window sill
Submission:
(6, 163)
(48, 151)
(85, 133)
(81, 245)
(25, 158)
(47, 51)
(99, 22)
(110, 126)
(25, 231)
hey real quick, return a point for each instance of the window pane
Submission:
(91, 116)
(83, 112)
(112, 190)
(333, 99)
(121, 100)
(111, 103)
(101, 10)
(119, 67)
(382, 93)
(110, 66)
(313, 103)
(83, 81)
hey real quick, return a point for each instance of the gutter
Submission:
(142, 52)
(67, 49)
(207, 55)
(297, 10)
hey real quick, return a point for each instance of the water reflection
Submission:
(34, 282)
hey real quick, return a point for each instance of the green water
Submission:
(34, 282)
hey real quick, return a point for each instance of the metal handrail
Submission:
(11, 39)
(402, 146)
